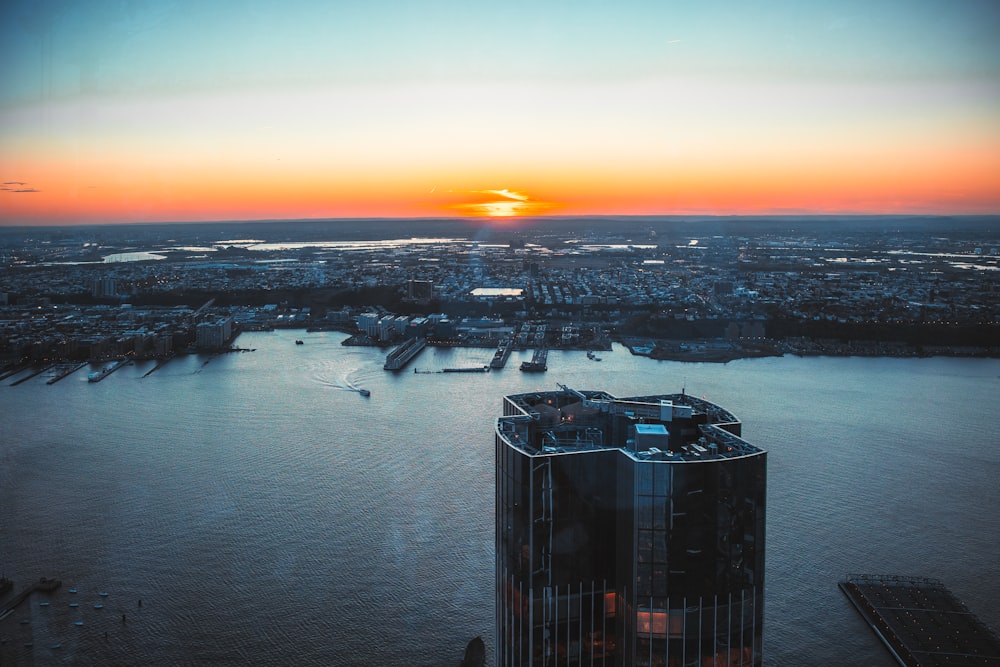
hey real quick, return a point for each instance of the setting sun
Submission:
(502, 203)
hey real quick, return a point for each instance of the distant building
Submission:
(213, 335)
(368, 323)
(629, 532)
(103, 287)
(420, 291)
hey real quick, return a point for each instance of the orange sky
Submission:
(593, 112)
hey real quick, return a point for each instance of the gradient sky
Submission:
(129, 110)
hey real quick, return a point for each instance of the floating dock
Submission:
(404, 353)
(921, 622)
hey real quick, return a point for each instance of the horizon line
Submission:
(512, 221)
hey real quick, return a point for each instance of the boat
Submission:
(299, 342)
(364, 392)
(473, 369)
(97, 376)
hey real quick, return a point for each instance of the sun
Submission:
(502, 203)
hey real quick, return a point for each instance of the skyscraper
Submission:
(629, 532)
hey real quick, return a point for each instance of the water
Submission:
(267, 513)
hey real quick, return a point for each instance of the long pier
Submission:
(43, 584)
(921, 622)
(537, 363)
(34, 372)
(503, 354)
(65, 371)
(404, 353)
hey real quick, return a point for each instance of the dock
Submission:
(13, 371)
(34, 372)
(503, 354)
(403, 354)
(537, 363)
(160, 363)
(921, 622)
(65, 370)
(43, 584)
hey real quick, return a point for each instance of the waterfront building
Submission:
(630, 532)
(368, 323)
(214, 335)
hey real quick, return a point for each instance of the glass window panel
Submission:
(659, 547)
(645, 512)
(645, 473)
(660, 509)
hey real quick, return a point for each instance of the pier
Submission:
(921, 622)
(97, 376)
(43, 584)
(64, 371)
(402, 355)
(537, 363)
(34, 372)
(503, 354)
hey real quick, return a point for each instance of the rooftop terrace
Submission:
(667, 427)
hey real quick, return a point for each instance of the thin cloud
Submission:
(19, 189)
(508, 194)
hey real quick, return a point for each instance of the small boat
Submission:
(98, 606)
(97, 376)
(299, 342)
(72, 590)
(364, 392)
(74, 604)
(103, 594)
(43, 604)
(77, 622)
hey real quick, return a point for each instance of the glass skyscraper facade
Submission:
(630, 532)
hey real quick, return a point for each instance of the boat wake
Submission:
(346, 382)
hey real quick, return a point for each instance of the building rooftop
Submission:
(667, 427)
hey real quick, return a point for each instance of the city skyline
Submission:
(186, 112)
